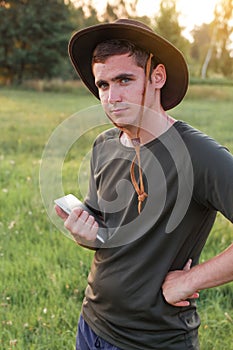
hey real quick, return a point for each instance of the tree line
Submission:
(34, 35)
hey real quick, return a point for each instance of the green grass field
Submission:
(43, 273)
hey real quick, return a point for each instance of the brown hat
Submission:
(83, 43)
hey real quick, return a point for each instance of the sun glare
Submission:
(191, 12)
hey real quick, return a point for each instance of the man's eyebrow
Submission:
(123, 76)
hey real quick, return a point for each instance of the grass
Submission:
(43, 274)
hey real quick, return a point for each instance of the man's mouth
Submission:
(118, 109)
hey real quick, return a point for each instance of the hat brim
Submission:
(83, 43)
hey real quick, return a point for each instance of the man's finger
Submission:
(182, 303)
(194, 296)
(61, 212)
(187, 266)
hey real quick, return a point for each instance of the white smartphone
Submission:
(68, 202)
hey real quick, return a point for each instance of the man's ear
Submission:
(159, 76)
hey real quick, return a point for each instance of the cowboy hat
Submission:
(83, 43)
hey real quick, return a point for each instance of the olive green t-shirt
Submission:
(188, 178)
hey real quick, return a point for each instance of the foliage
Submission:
(211, 81)
(120, 9)
(167, 25)
(82, 14)
(201, 39)
(212, 43)
(224, 29)
(34, 37)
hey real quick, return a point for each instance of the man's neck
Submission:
(147, 133)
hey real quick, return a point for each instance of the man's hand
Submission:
(176, 289)
(80, 224)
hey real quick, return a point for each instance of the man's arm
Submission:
(181, 285)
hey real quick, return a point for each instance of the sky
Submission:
(194, 12)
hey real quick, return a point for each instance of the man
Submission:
(157, 184)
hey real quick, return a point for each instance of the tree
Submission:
(83, 14)
(167, 25)
(201, 39)
(120, 9)
(224, 29)
(219, 43)
(34, 38)
(202, 47)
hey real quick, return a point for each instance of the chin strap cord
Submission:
(139, 188)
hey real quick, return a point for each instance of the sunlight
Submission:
(191, 12)
(195, 13)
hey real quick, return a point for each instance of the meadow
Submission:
(43, 273)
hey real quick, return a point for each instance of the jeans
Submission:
(88, 340)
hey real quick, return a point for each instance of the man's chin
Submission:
(123, 121)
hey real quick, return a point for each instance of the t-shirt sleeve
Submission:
(91, 199)
(213, 175)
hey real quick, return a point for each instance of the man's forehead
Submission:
(123, 56)
(117, 62)
(116, 68)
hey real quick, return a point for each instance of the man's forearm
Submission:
(214, 272)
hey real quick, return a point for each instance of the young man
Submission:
(157, 184)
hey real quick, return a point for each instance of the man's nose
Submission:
(113, 95)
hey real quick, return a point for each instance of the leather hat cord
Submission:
(139, 187)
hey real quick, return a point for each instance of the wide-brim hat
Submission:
(83, 43)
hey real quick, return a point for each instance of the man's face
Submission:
(121, 84)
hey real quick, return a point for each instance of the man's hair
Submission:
(113, 47)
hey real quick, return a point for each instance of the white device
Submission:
(68, 202)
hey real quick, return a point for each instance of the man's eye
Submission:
(102, 86)
(125, 80)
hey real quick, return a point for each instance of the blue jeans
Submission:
(88, 340)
